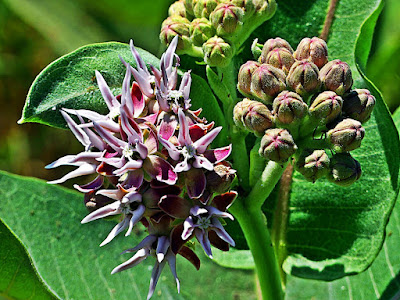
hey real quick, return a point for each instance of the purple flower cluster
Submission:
(152, 162)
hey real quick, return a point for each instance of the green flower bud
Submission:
(227, 18)
(358, 105)
(277, 145)
(346, 135)
(326, 107)
(203, 8)
(289, 108)
(315, 50)
(266, 8)
(177, 9)
(266, 82)
(336, 76)
(345, 170)
(253, 116)
(313, 164)
(280, 58)
(244, 77)
(189, 6)
(173, 26)
(200, 31)
(247, 6)
(217, 52)
(272, 44)
(220, 179)
(303, 78)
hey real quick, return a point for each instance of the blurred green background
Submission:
(33, 33)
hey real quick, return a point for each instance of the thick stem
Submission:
(328, 20)
(259, 241)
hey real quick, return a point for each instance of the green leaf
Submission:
(69, 82)
(67, 253)
(333, 231)
(18, 278)
(380, 281)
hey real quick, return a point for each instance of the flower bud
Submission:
(346, 135)
(266, 8)
(313, 164)
(277, 145)
(217, 52)
(203, 8)
(266, 82)
(220, 179)
(345, 170)
(200, 31)
(336, 76)
(247, 6)
(326, 107)
(173, 26)
(303, 78)
(177, 9)
(280, 58)
(314, 50)
(358, 105)
(272, 44)
(189, 6)
(288, 108)
(244, 77)
(253, 116)
(227, 18)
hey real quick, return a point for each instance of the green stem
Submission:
(259, 241)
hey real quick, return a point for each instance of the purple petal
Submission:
(105, 211)
(202, 237)
(197, 210)
(175, 206)
(143, 81)
(142, 150)
(91, 186)
(183, 137)
(136, 216)
(216, 241)
(172, 150)
(116, 230)
(219, 154)
(139, 61)
(160, 169)
(162, 248)
(195, 181)
(133, 132)
(155, 275)
(111, 140)
(109, 98)
(217, 213)
(79, 133)
(188, 228)
(138, 100)
(169, 53)
(134, 179)
(147, 242)
(88, 114)
(202, 143)
(185, 85)
(167, 127)
(182, 167)
(129, 166)
(140, 256)
(220, 231)
(171, 258)
(126, 98)
(84, 169)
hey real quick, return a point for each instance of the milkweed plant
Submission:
(260, 149)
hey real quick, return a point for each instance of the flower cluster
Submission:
(150, 154)
(210, 27)
(304, 105)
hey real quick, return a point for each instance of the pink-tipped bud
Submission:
(314, 49)
(280, 58)
(176, 26)
(336, 76)
(289, 108)
(203, 8)
(271, 44)
(346, 135)
(267, 82)
(201, 30)
(227, 18)
(358, 105)
(326, 107)
(244, 77)
(277, 145)
(313, 164)
(303, 78)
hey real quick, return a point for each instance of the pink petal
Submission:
(105, 211)
(167, 127)
(160, 169)
(202, 143)
(138, 100)
(183, 137)
(84, 169)
(109, 98)
(202, 162)
(172, 150)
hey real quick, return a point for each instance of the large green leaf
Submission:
(68, 256)
(18, 278)
(380, 281)
(69, 82)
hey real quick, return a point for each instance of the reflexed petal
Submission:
(175, 206)
(188, 228)
(182, 166)
(126, 97)
(167, 127)
(132, 196)
(109, 124)
(219, 154)
(116, 230)
(105, 211)
(202, 162)
(134, 179)
(88, 114)
(217, 242)
(176, 239)
(172, 150)
(131, 128)
(202, 237)
(136, 216)
(158, 168)
(197, 210)
(76, 160)
(168, 59)
(187, 253)
(223, 201)
(217, 213)
(171, 258)
(140, 256)
(155, 275)
(142, 150)
(109, 98)
(162, 248)
(91, 186)
(183, 137)
(84, 169)
(129, 166)
(195, 181)
(220, 231)
(202, 143)
(145, 243)
(111, 140)
(185, 85)
(79, 133)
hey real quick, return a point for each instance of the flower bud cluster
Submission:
(152, 164)
(211, 26)
(302, 105)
